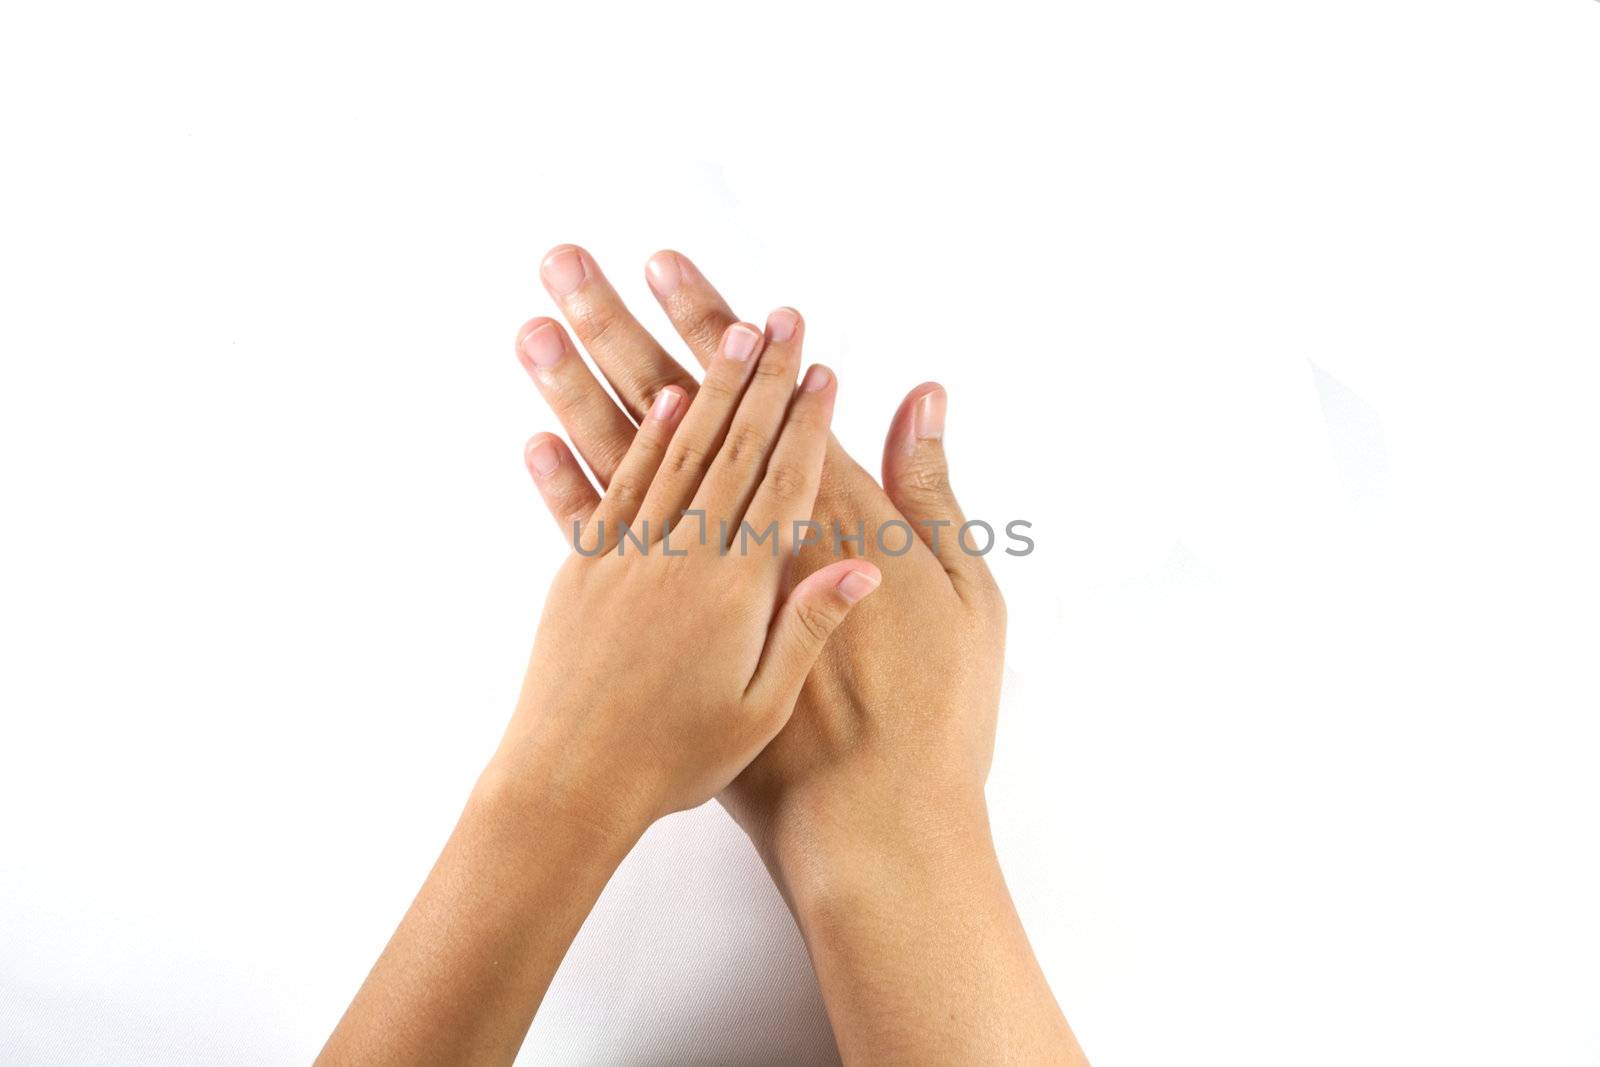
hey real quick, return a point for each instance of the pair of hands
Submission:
(839, 702)
(892, 735)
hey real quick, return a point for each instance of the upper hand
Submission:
(626, 713)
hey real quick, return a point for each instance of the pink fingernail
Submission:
(781, 324)
(927, 420)
(857, 584)
(739, 342)
(664, 273)
(544, 457)
(817, 378)
(543, 346)
(666, 403)
(563, 270)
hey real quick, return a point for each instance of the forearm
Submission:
(918, 948)
(463, 975)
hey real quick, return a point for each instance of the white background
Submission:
(1278, 320)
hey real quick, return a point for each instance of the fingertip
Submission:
(817, 378)
(665, 272)
(668, 403)
(920, 417)
(920, 394)
(927, 413)
(541, 342)
(536, 323)
(783, 324)
(564, 268)
(859, 582)
(561, 249)
(740, 341)
(542, 454)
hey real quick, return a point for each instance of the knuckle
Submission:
(702, 328)
(595, 323)
(686, 458)
(787, 479)
(926, 480)
(626, 489)
(777, 362)
(719, 390)
(568, 493)
(608, 457)
(746, 445)
(589, 404)
(573, 406)
(807, 413)
(815, 620)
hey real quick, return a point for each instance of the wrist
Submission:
(533, 797)
(828, 854)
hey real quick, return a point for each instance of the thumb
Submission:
(815, 609)
(918, 482)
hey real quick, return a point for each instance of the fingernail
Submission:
(781, 324)
(563, 270)
(739, 342)
(927, 420)
(664, 273)
(543, 345)
(857, 584)
(666, 403)
(817, 378)
(544, 457)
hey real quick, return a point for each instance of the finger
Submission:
(632, 481)
(814, 609)
(788, 489)
(599, 429)
(566, 491)
(637, 368)
(704, 427)
(697, 310)
(734, 474)
(918, 481)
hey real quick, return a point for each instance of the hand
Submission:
(626, 712)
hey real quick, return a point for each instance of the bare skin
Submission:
(868, 807)
(609, 733)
